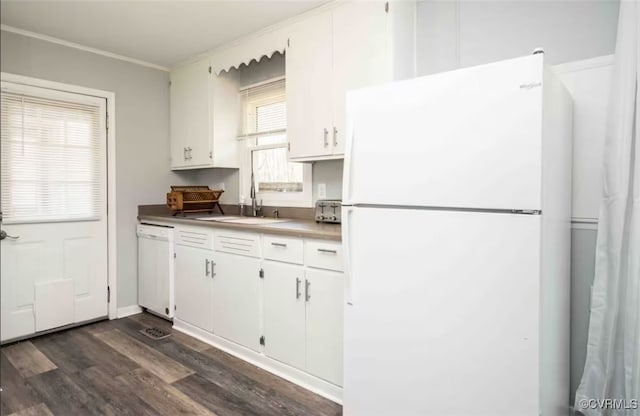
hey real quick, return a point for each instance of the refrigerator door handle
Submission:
(346, 241)
(348, 156)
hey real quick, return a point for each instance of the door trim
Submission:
(110, 97)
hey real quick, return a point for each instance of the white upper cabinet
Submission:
(351, 46)
(199, 97)
(360, 54)
(308, 72)
(189, 114)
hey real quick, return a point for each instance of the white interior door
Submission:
(53, 174)
(444, 313)
(469, 138)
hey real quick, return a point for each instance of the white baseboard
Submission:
(128, 311)
(301, 378)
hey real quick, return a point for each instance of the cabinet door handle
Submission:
(189, 155)
(326, 137)
(298, 281)
(325, 250)
(307, 292)
(184, 153)
(279, 244)
(335, 136)
(206, 267)
(213, 266)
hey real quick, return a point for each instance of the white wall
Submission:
(142, 127)
(453, 34)
(328, 172)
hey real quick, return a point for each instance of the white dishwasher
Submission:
(155, 269)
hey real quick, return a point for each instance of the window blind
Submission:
(264, 109)
(52, 159)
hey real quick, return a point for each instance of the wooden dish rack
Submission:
(185, 199)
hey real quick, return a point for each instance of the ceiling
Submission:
(163, 33)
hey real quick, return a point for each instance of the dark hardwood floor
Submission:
(109, 368)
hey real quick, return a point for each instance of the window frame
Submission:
(269, 198)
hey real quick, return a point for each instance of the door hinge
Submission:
(386, 7)
(107, 121)
(262, 340)
(209, 68)
(261, 274)
(108, 294)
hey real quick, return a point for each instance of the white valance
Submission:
(247, 50)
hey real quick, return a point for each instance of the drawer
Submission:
(284, 249)
(245, 244)
(324, 255)
(194, 237)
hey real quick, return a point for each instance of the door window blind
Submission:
(51, 160)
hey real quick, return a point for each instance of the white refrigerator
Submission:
(456, 222)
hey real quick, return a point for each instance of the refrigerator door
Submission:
(443, 311)
(469, 138)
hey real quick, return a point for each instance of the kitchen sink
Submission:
(244, 220)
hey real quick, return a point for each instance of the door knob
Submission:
(3, 235)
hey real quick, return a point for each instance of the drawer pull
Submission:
(279, 244)
(325, 250)
(307, 294)
(206, 267)
(298, 281)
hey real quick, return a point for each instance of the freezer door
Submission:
(442, 313)
(469, 138)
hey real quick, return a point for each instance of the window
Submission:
(51, 154)
(277, 181)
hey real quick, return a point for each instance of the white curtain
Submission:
(612, 368)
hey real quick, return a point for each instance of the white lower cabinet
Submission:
(284, 313)
(303, 318)
(324, 322)
(278, 300)
(194, 286)
(236, 299)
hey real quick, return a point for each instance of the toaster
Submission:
(329, 210)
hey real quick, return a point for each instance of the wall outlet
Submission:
(322, 191)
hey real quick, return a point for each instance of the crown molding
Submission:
(78, 46)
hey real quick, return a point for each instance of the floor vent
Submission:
(155, 333)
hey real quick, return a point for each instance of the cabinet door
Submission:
(236, 299)
(193, 287)
(308, 63)
(324, 294)
(284, 313)
(190, 106)
(360, 57)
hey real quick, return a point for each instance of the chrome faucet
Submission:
(255, 208)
